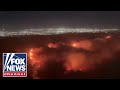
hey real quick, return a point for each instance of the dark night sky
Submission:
(14, 20)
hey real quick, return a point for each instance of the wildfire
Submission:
(75, 45)
(108, 37)
(76, 62)
(53, 45)
(36, 61)
(31, 54)
(85, 44)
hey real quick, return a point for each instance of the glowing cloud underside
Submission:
(52, 31)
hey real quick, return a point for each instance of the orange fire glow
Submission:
(108, 37)
(31, 54)
(85, 44)
(52, 45)
(76, 45)
(36, 60)
(76, 62)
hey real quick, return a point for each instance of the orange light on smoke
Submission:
(108, 37)
(31, 54)
(75, 45)
(31, 50)
(52, 45)
(85, 44)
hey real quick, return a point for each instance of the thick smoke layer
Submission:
(70, 55)
(53, 31)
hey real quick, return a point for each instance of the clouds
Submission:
(54, 31)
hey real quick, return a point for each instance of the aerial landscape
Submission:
(63, 44)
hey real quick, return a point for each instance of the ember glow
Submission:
(36, 61)
(84, 44)
(31, 54)
(53, 45)
(109, 36)
(75, 62)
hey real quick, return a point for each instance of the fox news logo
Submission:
(14, 65)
